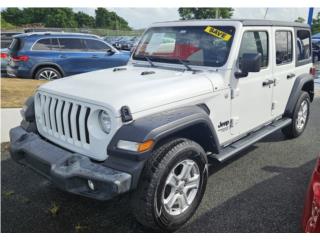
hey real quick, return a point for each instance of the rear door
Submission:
(292, 57)
(73, 57)
(283, 68)
(252, 97)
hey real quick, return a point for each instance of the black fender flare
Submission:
(298, 86)
(161, 125)
(157, 127)
(48, 64)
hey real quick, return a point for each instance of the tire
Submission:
(47, 73)
(155, 189)
(298, 125)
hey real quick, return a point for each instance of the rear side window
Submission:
(96, 46)
(303, 45)
(15, 45)
(43, 44)
(71, 44)
(255, 42)
(284, 50)
(55, 44)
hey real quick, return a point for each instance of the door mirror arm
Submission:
(240, 74)
(110, 51)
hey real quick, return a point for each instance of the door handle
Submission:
(290, 75)
(62, 56)
(267, 82)
(94, 56)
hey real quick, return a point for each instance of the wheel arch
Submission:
(303, 82)
(191, 122)
(46, 64)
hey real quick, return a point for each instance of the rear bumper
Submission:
(68, 171)
(18, 71)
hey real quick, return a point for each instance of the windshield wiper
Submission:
(185, 64)
(149, 61)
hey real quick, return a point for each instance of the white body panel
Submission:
(244, 102)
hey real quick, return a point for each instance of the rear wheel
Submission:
(171, 186)
(47, 73)
(300, 117)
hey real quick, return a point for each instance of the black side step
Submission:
(252, 138)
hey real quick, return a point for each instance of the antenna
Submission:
(266, 13)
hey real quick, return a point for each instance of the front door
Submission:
(252, 95)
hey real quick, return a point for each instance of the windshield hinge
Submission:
(235, 93)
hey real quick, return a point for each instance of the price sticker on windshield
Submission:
(218, 33)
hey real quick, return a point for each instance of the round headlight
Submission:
(105, 121)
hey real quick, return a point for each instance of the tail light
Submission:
(4, 55)
(313, 71)
(22, 58)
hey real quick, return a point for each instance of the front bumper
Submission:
(68, 171)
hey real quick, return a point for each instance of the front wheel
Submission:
(171, 186)
(300, 117)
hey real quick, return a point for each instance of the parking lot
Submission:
(260, 190)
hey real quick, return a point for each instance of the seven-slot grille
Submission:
(64, 119)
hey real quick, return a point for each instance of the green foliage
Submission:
(110, 20)
(61, 17)
(204, 13)
(6, 25)
(300, 20)
(84, 20)
(315, 27)
(13, 16)
(64, 18)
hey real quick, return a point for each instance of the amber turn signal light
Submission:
(145, 146)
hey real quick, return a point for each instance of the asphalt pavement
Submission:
(260, 190)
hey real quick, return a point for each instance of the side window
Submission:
(96, 46)
(284, 51)
(303, 45)
(43, 44)
(55, 44)
(255, 42)
(71, 44)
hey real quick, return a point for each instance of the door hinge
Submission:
(235, 93)
(234, 121)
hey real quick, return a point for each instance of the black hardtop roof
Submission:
(261, 22)
(251, 22)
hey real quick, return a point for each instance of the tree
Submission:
(5, 24)
(61, 17)
(300, 20)
(315, 27)
(110, 20)
(84, 20)
(36, 15)
(64, 18)
(13, 16)
(205, 13)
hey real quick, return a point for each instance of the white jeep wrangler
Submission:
(193, 92)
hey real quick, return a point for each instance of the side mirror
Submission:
(250, 62)
(110, 52)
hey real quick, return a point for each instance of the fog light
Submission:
(91, 185)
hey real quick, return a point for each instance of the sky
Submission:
(139, 18)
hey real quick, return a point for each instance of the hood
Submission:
(130, 87)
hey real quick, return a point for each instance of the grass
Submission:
(14, 91)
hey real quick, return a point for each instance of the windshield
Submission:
(195, 45)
